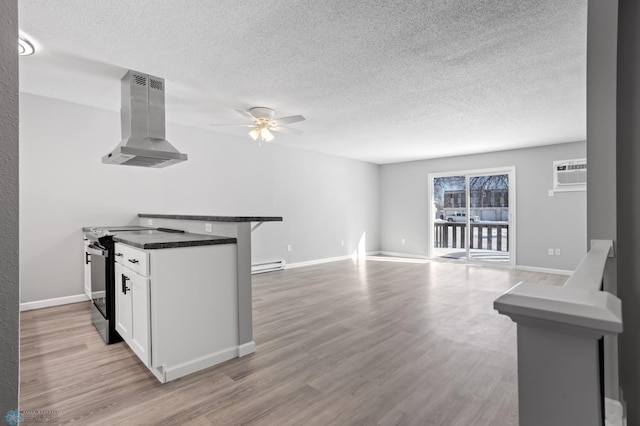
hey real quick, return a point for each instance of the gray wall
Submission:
(542, 222)
(64, 186)
(628, 175)
(9, 272)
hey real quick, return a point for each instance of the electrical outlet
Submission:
(288, 247)
(403, 241)
(550, 251)
(208, 227)
(551, 192)
(557, 252)
(149, 222)
(342, 243)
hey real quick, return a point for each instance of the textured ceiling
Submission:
(380, 81)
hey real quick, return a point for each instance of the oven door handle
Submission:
(91, 249)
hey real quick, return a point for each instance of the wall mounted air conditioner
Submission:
(570, 175)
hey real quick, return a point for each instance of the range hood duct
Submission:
(143, 126)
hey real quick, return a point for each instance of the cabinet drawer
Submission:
(132, 258)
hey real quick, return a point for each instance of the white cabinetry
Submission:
(124, 314)
(177, 308)
(132, 310)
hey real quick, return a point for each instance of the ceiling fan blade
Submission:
(288, 120)
(234, 125)
(245, 114)
(283, 129)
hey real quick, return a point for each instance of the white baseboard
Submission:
(613, 413)
(27, 306)
(543, 270)
(197, 364)
(246, 348)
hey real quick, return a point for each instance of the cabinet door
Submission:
(140, 335)
(123, 302)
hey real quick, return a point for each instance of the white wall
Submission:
(542, 222)
(64, 186)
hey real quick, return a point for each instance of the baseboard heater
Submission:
(259, 268)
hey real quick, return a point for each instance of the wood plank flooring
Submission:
(375, 342)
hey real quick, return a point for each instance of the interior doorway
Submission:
(472, 216)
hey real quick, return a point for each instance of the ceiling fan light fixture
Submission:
(266, 135)
(254, 134)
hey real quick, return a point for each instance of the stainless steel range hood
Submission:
(143, 126)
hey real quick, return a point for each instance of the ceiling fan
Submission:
(264, 123)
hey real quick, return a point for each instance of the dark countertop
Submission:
(153, 239)
(114, 227)
(214, 218)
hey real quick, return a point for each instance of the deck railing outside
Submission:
(484, 235)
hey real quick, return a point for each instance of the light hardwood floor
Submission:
(374, 342)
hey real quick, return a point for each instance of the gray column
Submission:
(628, 201)
(245, 310)
(9, 265)
(602, 27)
(558, 376)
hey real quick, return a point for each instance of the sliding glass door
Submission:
(450, 221)
(489, 214)
(472, 214)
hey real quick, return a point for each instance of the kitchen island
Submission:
(176, 302)
(238, 227)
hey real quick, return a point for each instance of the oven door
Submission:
(99, 256)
